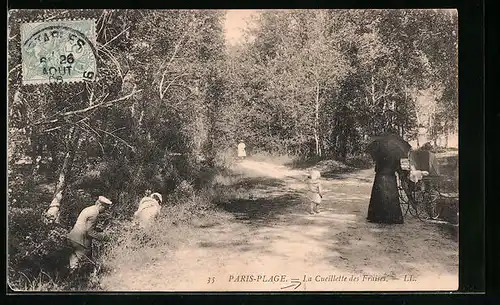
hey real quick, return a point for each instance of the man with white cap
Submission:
(148, 210)
(80, 237)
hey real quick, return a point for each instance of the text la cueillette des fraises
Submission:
(281, 278)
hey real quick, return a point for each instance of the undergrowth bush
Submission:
(19, 281)
(34, 245)
(225, 158)
(278, 159)
(132, 248)
(302, 162)
(361, 161)
(35, 250)
(38, 253)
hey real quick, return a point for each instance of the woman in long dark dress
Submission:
(384, 201)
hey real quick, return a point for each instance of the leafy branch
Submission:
(104, 104)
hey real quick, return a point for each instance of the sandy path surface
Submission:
(273, 244)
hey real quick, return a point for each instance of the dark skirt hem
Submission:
(384, 200)
(385, 221)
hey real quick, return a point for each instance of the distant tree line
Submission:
(321, 82)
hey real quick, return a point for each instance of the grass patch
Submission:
(183, 213)
(275, 159)
(361, 161)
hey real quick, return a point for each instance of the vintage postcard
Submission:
(233, 150)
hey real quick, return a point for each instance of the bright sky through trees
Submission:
(235, 24)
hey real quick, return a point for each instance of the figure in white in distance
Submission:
(241, 150)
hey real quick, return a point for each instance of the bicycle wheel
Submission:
(409, 205)
(431, 197)
(403, 201)
(405, 207)
(419, 206)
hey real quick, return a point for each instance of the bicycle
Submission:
(420, 199)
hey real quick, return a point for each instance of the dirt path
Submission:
(272, 244)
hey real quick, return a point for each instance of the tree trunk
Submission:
(373, 91)
(53, 154)
(343, 147)
(316, 122)
(446, 133)
(35, 154)
(36, 160)
(212, 136)
(52, 214)
(316, 141)
(337, 144)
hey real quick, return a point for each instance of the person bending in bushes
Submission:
(80, 237)
(148, 210)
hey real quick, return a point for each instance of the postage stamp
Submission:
(58, 51)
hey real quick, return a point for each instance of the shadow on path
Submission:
(338, 173)
(248, 183)
(260, 211)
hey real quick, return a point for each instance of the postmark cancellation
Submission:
(58, 51)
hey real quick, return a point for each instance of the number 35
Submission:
(211, 280)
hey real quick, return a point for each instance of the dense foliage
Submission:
(144, 124)
(315, 82)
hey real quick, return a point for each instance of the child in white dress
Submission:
(315, 192)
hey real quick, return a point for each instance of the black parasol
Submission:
(388, 146)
